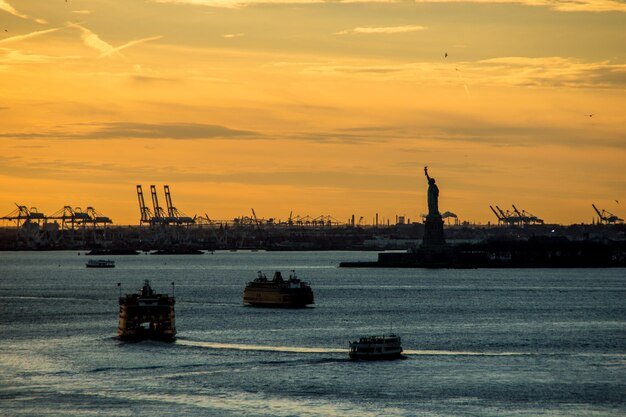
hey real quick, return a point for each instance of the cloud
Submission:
(18, 38)
(106, 172)
(81, 11)
(127, 130)
(128, 45)
(515, 71)
(10, 9)
(18, 57)
(94, 41)
(148, 79)
(558, 5)
(233, 35)
(553, 72)
(390, 30)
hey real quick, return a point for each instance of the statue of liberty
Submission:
(433, 196)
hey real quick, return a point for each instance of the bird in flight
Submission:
(592, 114)
(445, 55)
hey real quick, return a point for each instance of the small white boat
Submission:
(100, 263)
(377, 348)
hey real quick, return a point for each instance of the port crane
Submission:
(23, 215)
(71, 218)
(97, 217)
(146, 214)
(516, 217)
(174, 214)
(527, 218)
(500, 218)
(449, 215)
(606, 217)
(256, 220)
(508, 217)
(159, 213)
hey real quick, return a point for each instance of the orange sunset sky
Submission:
(314, 107)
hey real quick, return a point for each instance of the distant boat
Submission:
(112, 252)
(383, 347)
(100, 263)
(278, 292)
(178, 251)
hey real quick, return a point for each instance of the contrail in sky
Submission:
(10, 9)
(94, 41)
(458, 72)
(28, 35)
(128, 45)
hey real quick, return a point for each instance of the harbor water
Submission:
(509, 342)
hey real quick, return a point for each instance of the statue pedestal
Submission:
(433, 232)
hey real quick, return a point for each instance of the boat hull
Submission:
(136, 335)
(377, 357)
(278, 297)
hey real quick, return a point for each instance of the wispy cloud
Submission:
(10, 9)
(81, 11)
(26, 36)
(388, 30)
(234, 35)
(518, 71)
(18, 57)
(94, 41)
(128, 45)
(553, 72)
(128, 130)
(559, 5)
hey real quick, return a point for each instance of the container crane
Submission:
(606, 217)
(448, 215)
(25, 215)
(174, 215)
(256, 221)
(527, 218)
(159, 214)
(512, 219)
(498, 216)
(97, 218)
(146, 214)
(70, 218)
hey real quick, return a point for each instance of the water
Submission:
(479, 342)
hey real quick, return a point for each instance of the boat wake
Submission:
(237, 346)
(299, 349)
(462, 353)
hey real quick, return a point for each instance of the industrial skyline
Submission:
(154, 213)
(315, 107)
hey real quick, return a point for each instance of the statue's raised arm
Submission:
(426, 173)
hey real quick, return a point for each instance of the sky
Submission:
(314, 107)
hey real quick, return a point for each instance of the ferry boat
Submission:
(100, 263)
(146, 315)
(377, 348)
(278, 292)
